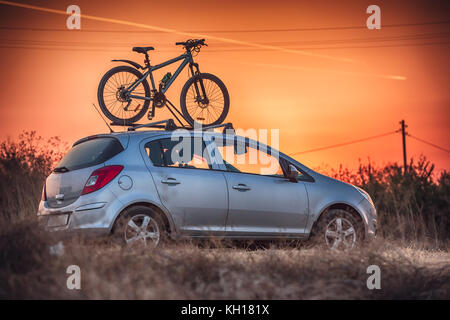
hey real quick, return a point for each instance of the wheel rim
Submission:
(205, 110)
(142, 229)
(117, 103)
(340, 234)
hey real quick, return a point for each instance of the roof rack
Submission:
(227, 127)
(169, 125)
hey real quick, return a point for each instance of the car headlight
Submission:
(365, 195)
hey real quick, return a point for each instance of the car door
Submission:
(262, 202)
(194, 193)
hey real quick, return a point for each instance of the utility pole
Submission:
(405, 166)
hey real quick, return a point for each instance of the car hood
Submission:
(338, 185)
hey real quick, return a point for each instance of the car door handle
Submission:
(170, 181)
(241, 187)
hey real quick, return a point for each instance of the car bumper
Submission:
(369, 215)
(91, 214)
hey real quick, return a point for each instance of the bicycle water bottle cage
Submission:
(166, 78)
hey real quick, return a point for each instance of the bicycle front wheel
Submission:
(115, 101)
(204, 100)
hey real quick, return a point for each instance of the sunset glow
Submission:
(321, 87)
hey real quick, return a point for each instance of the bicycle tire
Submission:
(100, 96)
(220, 84)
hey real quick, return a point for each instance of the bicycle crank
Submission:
(159, 100)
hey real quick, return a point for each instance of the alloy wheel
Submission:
(142, 229)
(340, 234)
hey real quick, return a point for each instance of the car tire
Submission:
(338, 229)
(141, 226)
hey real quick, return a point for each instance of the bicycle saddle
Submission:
(142, 49)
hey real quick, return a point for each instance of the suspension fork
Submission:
(202, 87)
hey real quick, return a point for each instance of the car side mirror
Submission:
(292, 173)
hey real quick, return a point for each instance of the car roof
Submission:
(125, 136)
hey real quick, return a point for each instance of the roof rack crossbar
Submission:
(226, 126)
(168, 124)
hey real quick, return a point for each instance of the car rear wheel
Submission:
(338, 230)
(139, 226)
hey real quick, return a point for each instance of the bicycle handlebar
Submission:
(191, 43)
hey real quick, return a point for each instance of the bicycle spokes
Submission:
(208, 105)
(117, 99)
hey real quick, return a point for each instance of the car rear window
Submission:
(89, 153)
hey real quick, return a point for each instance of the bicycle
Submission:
(124, 94)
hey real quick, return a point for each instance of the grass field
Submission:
(198, 271)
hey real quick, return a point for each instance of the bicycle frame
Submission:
(187, 59)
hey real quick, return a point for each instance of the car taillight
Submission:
(44, 193)
(100, 178)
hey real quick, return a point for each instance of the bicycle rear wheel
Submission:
(206, 108)
(114, 103)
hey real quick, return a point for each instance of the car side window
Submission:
(154, 153)
(301, 176)
(183, 153)
(246, 157)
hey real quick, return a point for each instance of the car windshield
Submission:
(89, 153)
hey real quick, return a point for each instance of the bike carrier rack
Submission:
(170, 106)
(169, 125)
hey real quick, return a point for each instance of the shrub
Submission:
(412, 205)
(24, 164)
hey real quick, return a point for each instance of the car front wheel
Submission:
(338, 229)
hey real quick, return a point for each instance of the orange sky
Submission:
(49, 79)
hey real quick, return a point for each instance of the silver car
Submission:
(144, 186)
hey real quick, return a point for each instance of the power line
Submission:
(383, 46)
(429, 143)
(174, 31)
(227, 31)
(72, 43)
(370, 138)
(75, 47)
(56, 48)
(289, 67)
(404, 37)
(346, 47)
(425, 36)
(344, 143)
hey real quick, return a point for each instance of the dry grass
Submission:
(190, 271)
